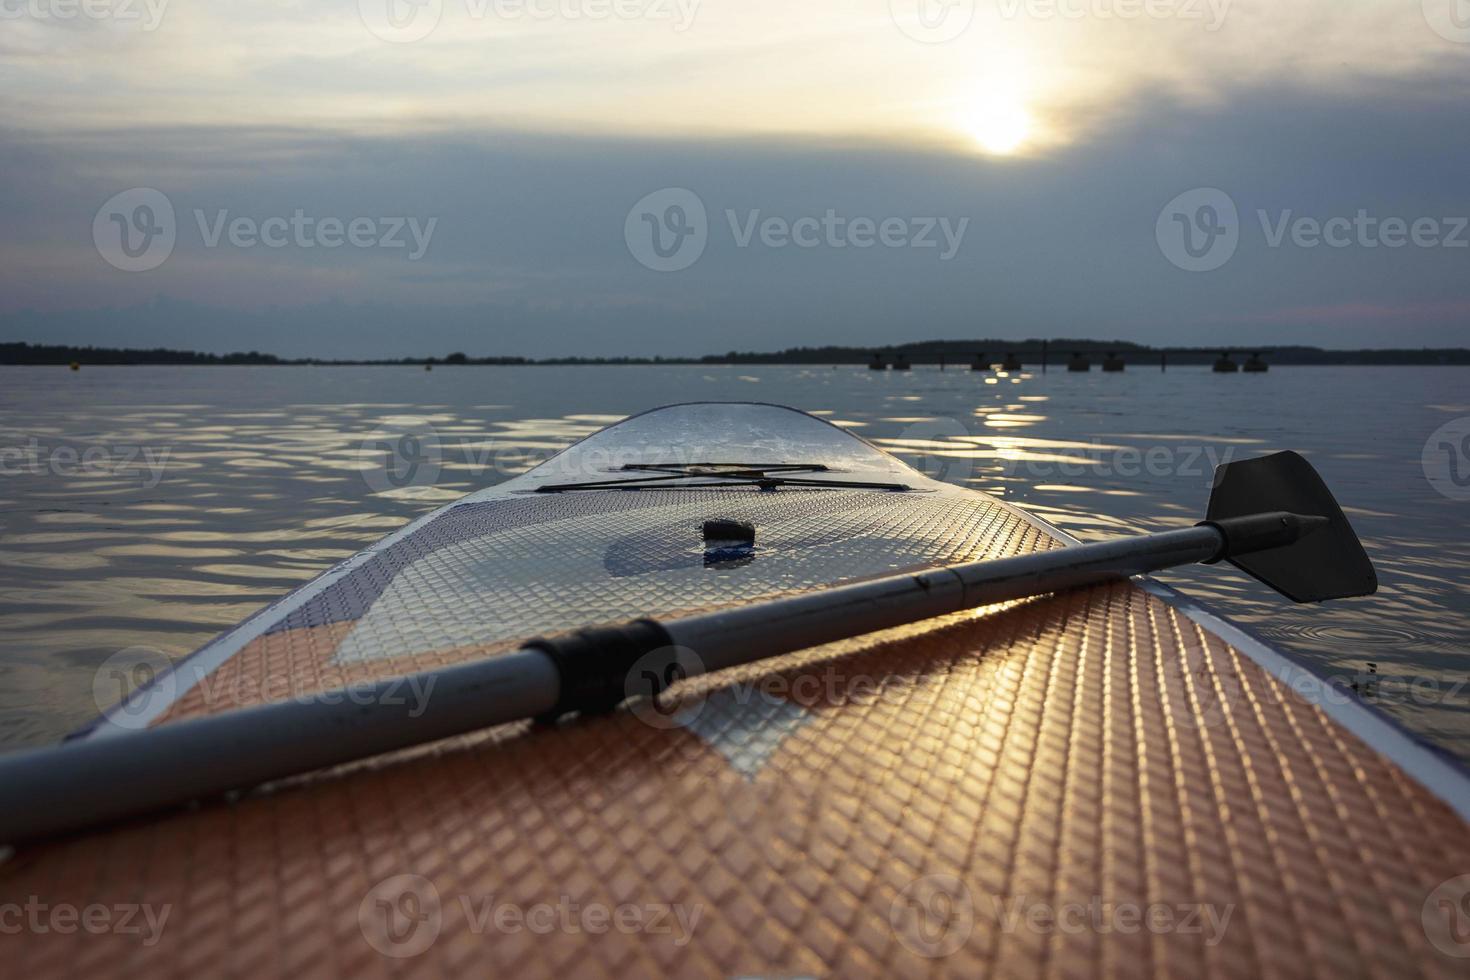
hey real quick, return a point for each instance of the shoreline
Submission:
(960, 355)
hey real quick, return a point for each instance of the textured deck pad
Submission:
(480, 577)
(1088, 784)
(1082, 785)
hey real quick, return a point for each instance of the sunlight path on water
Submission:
(155, 507)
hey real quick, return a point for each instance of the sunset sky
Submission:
(1060, 142)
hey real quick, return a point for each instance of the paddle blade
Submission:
(1328, 563)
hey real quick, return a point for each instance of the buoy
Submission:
(428, 367)
(76, 366)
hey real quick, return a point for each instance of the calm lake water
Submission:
(154, 507)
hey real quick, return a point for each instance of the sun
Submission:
(998, 124)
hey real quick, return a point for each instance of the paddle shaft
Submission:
(118, 774)
(740, 635)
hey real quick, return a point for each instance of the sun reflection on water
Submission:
(265, 482)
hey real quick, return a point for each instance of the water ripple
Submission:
(157, 506)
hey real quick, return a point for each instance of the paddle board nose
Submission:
(717, 434)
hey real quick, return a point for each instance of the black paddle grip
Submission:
(595, 664)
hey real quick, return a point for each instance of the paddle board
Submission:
(1109, 781)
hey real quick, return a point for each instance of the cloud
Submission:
(527, 142)
(683, 66)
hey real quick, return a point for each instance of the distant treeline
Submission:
(1029, 351)
(957, 352)
(62, 354)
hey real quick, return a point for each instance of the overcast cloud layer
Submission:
(517, 183)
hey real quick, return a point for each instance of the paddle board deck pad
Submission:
(1111, 781)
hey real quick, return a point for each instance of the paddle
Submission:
(1272, 517)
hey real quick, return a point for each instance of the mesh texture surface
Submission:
(982, 795)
